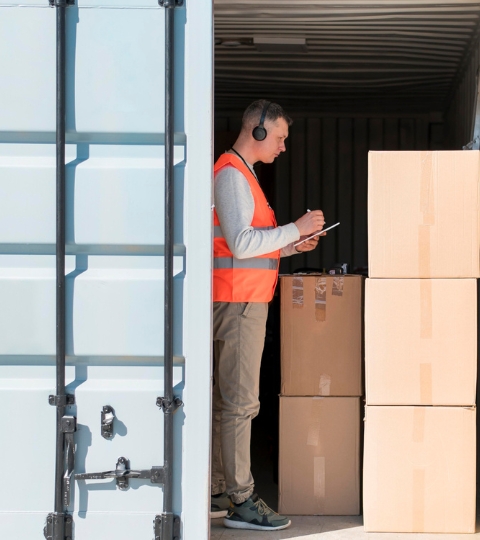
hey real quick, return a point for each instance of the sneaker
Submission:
(219, 505)
(254, 514)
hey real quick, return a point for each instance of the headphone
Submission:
(259, 133)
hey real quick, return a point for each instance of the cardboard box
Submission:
(421, 341)
(322, 335)
(319, 469)
(423, 214)
(419, 469)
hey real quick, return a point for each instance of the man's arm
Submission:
(289, 250)
(308, 245)
(235, 207)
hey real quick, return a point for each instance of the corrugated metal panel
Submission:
(389, 56)
(325, 166)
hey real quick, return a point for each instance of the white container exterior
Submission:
(115, 242)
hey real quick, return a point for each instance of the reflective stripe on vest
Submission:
(253, 262)
(217, 230)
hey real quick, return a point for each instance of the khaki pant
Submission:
(239, 338)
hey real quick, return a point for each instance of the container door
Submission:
(115, 80)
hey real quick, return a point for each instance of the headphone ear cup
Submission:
(259, 133)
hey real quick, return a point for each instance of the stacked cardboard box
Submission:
(320, 409)
(421, 341)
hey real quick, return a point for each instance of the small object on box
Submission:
(339, 268)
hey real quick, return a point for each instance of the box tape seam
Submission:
(297, 292)
(319, 487)
(320, 298)
(427, 208)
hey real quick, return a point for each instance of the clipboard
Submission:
(316, 234)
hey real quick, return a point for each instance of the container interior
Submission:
(355, 77)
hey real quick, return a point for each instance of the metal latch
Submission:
(61, 3)
(69, 426)
(58, 526)
(170, 3)
(169, 406)
(107, 418)
(123, 473)
(166, 526)
(61, 401)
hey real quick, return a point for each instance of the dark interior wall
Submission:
(326, 166)
(326, 162)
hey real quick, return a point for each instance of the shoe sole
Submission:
(250, 526)
(218, 514)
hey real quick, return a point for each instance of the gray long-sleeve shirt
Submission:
(235, 206)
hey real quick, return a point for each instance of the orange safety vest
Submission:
(244, 280)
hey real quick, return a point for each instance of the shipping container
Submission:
(107, 138)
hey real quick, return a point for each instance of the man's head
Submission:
(276, 124)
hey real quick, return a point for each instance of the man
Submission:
(247, 247)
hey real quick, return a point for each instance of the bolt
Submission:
(68, 520)
(49, 520)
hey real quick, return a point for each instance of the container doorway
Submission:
(355, 77)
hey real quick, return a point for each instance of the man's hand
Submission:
(309, 245)
(310, 223)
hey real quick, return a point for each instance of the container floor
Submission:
(327, 528)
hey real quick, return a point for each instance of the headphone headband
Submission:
(264, 113)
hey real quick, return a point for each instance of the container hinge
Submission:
(107, 418)
(123, 473)
(61, 3)
(61, 401)
(169, 406)
(166, 527)
(170, 3)
(58, 527)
